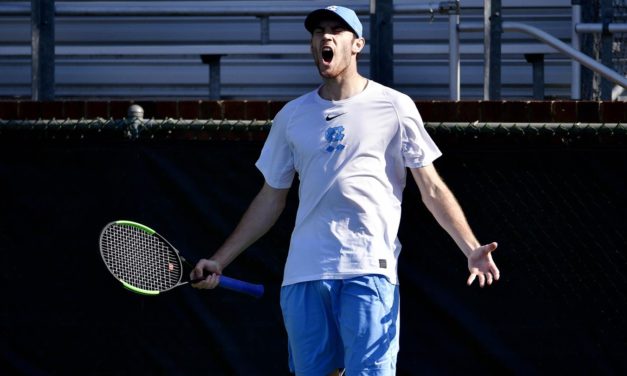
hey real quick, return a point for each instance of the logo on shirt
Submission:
(334, 137)
(331, 117)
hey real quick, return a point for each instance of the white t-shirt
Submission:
(351, 158)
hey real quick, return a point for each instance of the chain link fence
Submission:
(552, 195)
(494, 133)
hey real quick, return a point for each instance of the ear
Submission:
(358, 45)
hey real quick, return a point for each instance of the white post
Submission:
(453, 57)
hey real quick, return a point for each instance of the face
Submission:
(334, 48)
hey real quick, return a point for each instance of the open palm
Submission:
(481, 265)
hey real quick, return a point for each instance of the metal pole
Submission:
(487, 43)
(42, 44)
(453, 56)
(214, 74)
(382, 42)
(492, 31)
(575, 67)
(496, 31)
(537, 61)
(606, 46)
(265, 29)
(589, 46)
(214, 78)
(204, 8)
(134, 121)
(613, 28)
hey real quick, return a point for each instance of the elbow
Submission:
(437, 195)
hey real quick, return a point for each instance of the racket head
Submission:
(141, 259)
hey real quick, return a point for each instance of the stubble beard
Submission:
(335, 71)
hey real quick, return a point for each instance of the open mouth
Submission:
(327, 54)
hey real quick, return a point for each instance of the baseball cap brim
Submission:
(314, 18)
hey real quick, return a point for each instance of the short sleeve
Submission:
(418, 147)
(276, 161)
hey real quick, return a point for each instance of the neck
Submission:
(339, 88)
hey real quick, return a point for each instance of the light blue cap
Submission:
(348, 16)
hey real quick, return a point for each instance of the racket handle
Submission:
(241, 286)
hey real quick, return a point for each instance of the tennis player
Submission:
(351, 142)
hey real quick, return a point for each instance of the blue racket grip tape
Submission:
(241, 286)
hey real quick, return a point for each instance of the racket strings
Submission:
(140, 259)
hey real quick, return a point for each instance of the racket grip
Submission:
(241, 286)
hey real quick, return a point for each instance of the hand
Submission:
(208, 268)
(482, 266)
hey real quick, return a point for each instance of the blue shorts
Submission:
(350, 323)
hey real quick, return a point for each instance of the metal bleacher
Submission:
(127, 54)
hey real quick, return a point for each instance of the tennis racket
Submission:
(145, 263)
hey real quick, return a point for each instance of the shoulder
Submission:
(399, 100)
(292, 106)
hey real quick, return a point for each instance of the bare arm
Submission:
(441, 202)
(260, 216)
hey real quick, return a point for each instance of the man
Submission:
(350, 142)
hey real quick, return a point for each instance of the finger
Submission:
(210, 282)
(195, 274)
(489, 248)
(201, 284)
(214, 280)
(496, 272)
(471, 279)
(489, 278)
(197, 281)
(199, 271)
(481, 280)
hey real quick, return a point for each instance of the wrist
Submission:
(218, 264)
(469, 248)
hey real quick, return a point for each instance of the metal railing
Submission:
(265, 10)
(582, 28)
(43, 66)
(564, 48)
